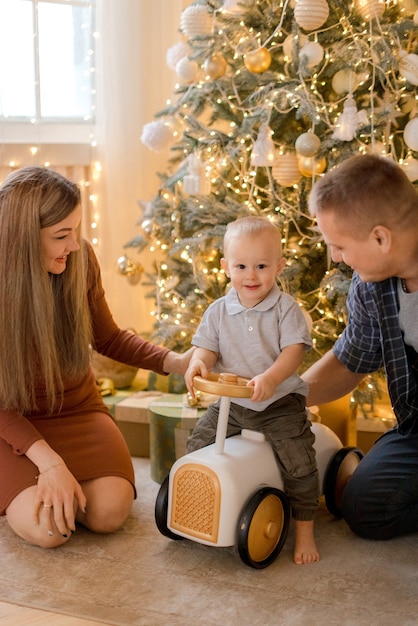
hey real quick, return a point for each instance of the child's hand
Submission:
(196, 368)
(264, 387)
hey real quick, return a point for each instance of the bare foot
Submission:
(305, 546)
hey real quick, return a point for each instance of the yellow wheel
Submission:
(263, 527)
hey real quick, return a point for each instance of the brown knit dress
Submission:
(81, 429)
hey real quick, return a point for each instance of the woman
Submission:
(62, 458)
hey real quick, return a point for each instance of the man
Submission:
(367, 211)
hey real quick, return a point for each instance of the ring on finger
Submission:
(48, 506)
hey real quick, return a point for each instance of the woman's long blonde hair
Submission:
(45, 326)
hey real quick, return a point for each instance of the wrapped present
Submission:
(131, 417)
(372, 426)
(171, 421)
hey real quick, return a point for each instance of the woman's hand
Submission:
(175, 363)
(58, 496)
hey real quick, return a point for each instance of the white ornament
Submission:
(157, 135)
(408, 67)
(195, 21)
(187, 70)
(370, 9)
(410, 167)
(344, 81)
(289, 44)
(196, 181)
(311, 14)
(263, 151)
(307, 144)
(314, 53)
(410, 134)
(285, 169)
(175, 53)
(233, 6)
(349, 121)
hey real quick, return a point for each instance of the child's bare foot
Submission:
(305, 547)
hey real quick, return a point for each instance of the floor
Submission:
(137, 577)
(14, 615)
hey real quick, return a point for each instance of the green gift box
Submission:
(171, 421)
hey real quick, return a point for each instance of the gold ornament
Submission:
(215, 67)
(196, 400)
(258, 61)
(132, 271)
(310, 167)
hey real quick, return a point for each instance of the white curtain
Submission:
(133, 83)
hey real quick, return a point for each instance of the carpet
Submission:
(138, 577)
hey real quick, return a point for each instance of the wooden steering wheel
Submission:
(224, 384)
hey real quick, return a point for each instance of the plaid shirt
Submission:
(373, 339)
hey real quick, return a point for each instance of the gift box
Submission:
(372, 426)
(340, 416)
(171, 422)
(132, 419)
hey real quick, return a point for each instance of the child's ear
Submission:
(280, 266)
(224, 265)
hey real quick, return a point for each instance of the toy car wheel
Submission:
(262, 527)
(161, 508)
(339, 472)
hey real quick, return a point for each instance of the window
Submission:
(47, 68)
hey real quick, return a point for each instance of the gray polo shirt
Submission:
(249, 340)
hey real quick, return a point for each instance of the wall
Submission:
(134, 83)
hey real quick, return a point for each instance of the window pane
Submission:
(17, 69)
(65, 59)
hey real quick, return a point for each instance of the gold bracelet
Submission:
(47, 470)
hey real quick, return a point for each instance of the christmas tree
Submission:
(271, 94)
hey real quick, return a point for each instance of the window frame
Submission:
(48, 130)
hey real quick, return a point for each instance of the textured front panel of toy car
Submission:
(195, 502)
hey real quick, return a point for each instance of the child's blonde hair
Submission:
(252, 225)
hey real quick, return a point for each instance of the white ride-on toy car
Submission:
(230, 493)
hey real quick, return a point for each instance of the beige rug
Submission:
(137, 576)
